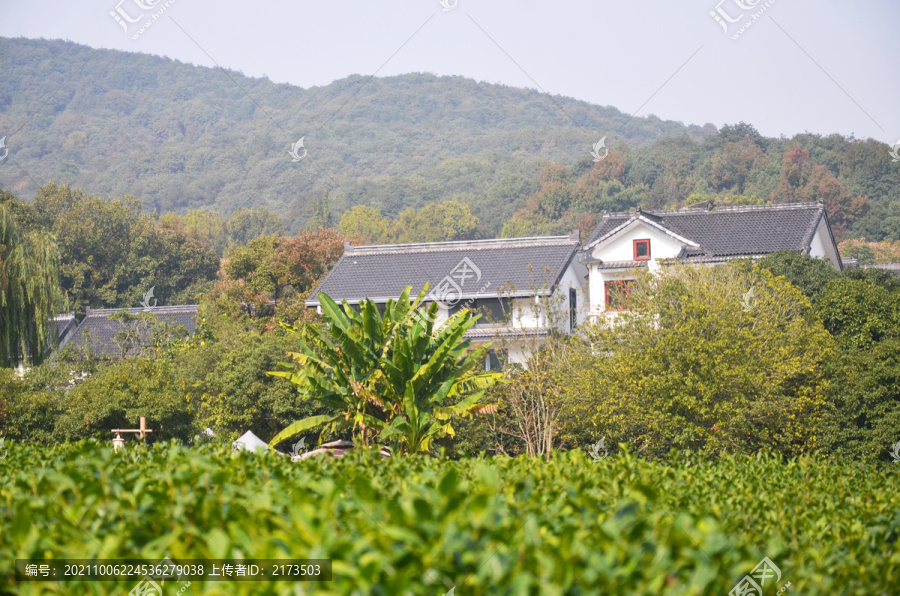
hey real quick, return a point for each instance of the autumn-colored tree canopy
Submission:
(801, 180)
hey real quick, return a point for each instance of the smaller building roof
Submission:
(474, 268)
(61, 326)
(891, 267)
(99, 333)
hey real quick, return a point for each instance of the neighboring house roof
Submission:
(729, 230)
(891, 267)
(518, 266)
(61, 326)
(97, 331)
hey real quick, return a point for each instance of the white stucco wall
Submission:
(821, 246)
(574, 278)
(621, 248)
(532, 313)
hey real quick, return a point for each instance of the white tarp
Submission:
(250, 442)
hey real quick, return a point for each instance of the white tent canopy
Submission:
(250, 442)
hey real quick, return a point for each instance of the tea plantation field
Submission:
(418, 525)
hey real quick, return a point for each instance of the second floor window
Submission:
(641, 250)
(493, 311)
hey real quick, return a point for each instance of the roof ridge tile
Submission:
(459, 245)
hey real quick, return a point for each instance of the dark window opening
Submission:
(493, 311)
(493, 361)
(573, 309)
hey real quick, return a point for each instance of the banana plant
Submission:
(397, 377)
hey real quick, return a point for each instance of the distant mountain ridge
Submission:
(178, 136)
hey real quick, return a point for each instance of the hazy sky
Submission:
(820, 66)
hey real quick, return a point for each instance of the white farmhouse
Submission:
(516, 282)
(624, 242)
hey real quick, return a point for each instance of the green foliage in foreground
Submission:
(388, 377)
(417, 525)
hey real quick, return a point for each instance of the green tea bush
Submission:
(421, 525)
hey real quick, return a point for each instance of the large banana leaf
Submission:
(304, 426)
(390, 373)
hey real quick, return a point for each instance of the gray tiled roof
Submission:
(99, 332)
(382, 272)
(731, 230)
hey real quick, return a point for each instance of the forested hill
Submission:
(177, 136)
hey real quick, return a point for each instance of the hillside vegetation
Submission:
(178, 137)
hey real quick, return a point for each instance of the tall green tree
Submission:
(321, 217)
(396, 377)
(862, 310)
(726, 358)
(246, 224)
(439, 222)
(29, 288)
(111, 253)
(366, 223)
(810, 275)
(207, 227)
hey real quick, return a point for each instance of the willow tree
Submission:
(29, 287)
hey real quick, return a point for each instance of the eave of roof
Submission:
(504, 332)
(456, 245)
(620, 264)
(105, 312)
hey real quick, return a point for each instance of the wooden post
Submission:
(143, 430)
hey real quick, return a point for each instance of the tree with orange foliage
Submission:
(276, 273)
(803, 181)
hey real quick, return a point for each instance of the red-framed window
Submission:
(617, 294)
(642, 250)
